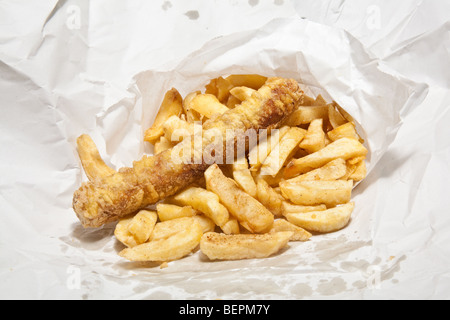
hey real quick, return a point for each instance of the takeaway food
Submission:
(238, 172)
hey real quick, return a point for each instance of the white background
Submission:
(67, 57)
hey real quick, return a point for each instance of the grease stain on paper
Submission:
(301, 290)
(331, 287)
(337, 249)
(334, 255)
(166, 5)
(253, 2)
(192, 15)
(391, 270)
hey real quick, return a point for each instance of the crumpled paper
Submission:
(340, 70)
(83, 263)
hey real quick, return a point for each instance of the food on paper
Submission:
(271, 199)
(346, 130)
(314, 138)
(282, 151)
(298, 234)
(174, 247)
(137, 229)
(220, 246)
(171, 106)
(328, 220)
(93, 165)
(306, 114)
(204, 201)
(250, 213)
(154, 178)
(333, 170)
(176, 129)
(170, 211)
(238, 171)
(316, 192)
(243, 176)
(231, 227)
(207, 105)
(242, 93)
(288, 207)
(344, 148)
(162, 145)
(259, 153)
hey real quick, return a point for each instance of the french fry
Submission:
(170, 211)
(259, 153)
(346, 130)
(357, 171)
(162, 145)
(170, 106)
(207, 105)
(168, 228)
(307, 101)
(206, 223)
(344, 148)
(356, 160)
(232, 102)
(344, 113)
(123, 235)
(333, 170)
(93, 164)
(172, 248)
(250, 213)
(219, 246)
(135, 230)
(336, 119)
(231, 227)
(242, 93)
(219, 87)
(175, 129)
(282, 151)
(329, 220)
(306, 114)
(204, 201)
(272, 181)
(271, 199)
(311, 193)
(142, 224)
(319, 101)
(191, 115)
(243, 176)
(253, 81)
(298, 234)
(288, 207)
(315, 137)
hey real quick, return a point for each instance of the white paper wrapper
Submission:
(340, 70)
(58, 258)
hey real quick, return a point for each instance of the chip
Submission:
(93, 164)
(329, 220)
(316, 192)
(282, 151)
(172, 248)
(207, 105)
(344, 148)
(204, 201)
(219, 246)
(171, 106)
(250, 213)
